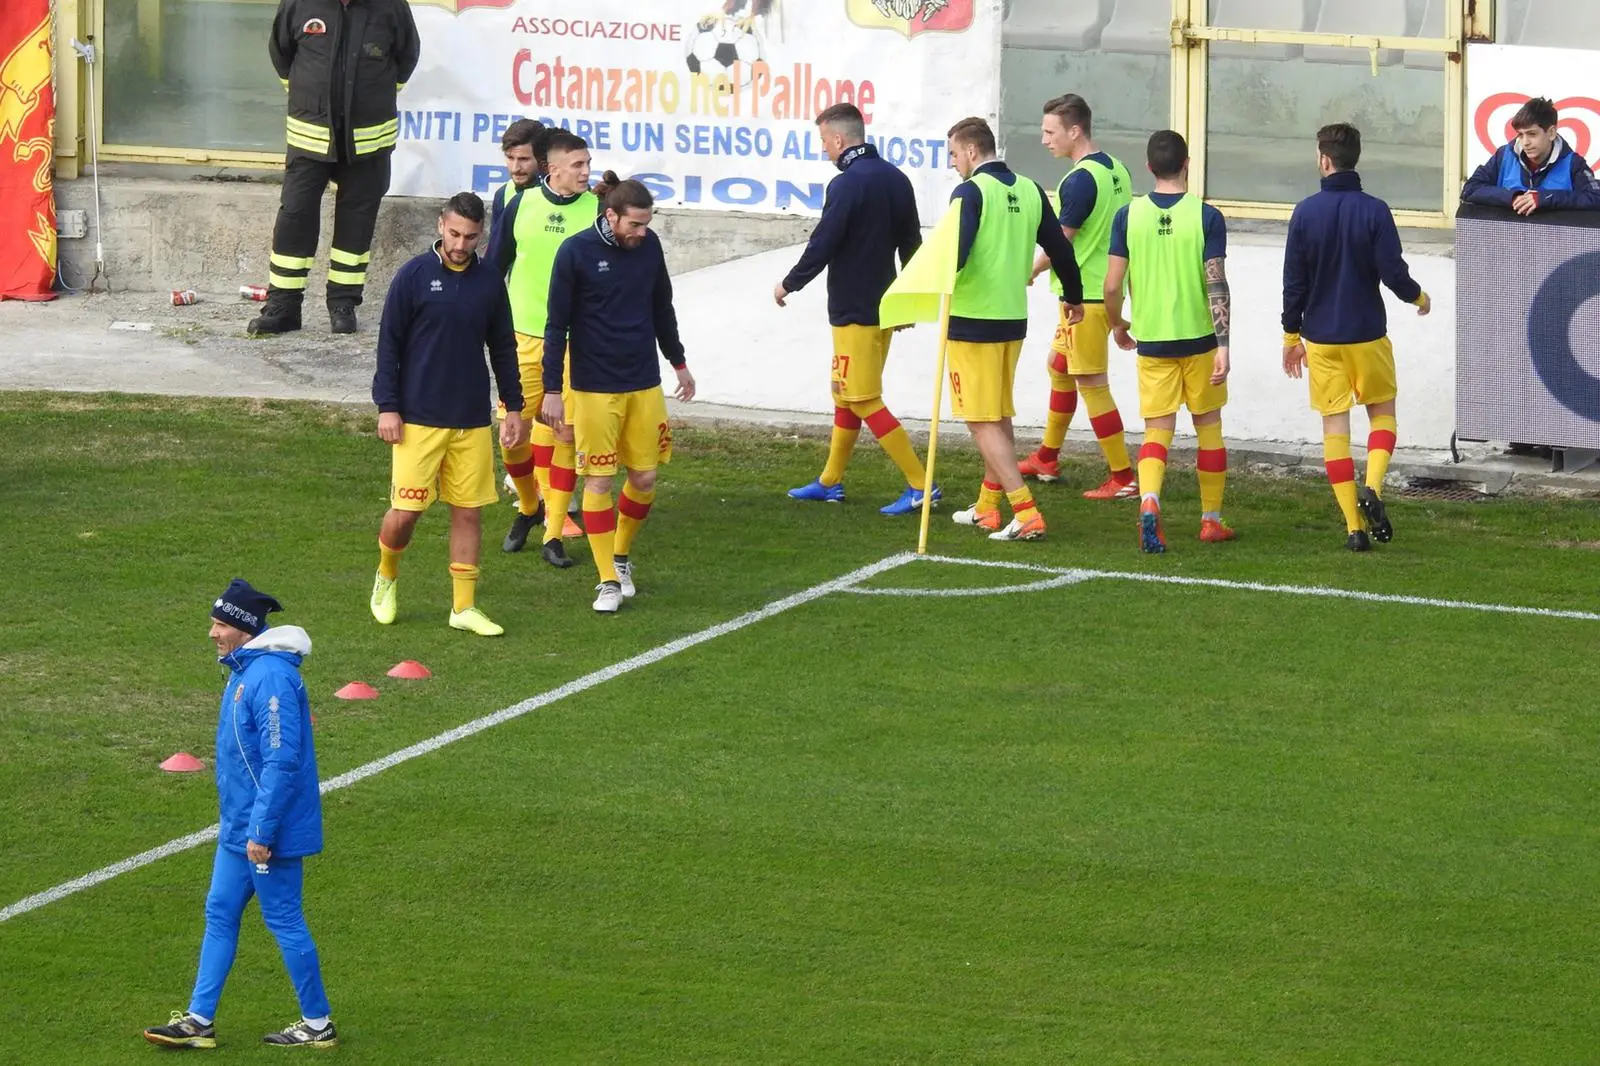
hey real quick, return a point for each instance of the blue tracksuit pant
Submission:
(234, 879)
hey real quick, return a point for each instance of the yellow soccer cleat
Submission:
(385, 600)
(475, 621)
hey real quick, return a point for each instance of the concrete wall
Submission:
(747, 352)
(167, 229)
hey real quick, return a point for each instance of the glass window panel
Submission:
(191, 74)
(1398, 18)
(1548, 23)
(1116, 55)
(1264, 113)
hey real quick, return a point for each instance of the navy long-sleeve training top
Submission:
(614, 304)
(436, 323)
(1050, 238)
(868, 217)
(1342, 244)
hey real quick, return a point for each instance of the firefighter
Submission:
(343, 62)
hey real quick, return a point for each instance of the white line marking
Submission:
(1072, 577)
(461, 732)
(1285, 590)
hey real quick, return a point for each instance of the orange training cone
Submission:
(183, 763)
(357, 690)
(410, 670)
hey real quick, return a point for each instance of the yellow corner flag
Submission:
(914, 296)
(922, 294)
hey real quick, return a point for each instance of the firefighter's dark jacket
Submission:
(343, 65)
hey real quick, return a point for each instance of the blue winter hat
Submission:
(243, 607)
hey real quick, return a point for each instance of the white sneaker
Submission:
(625, 577)
(511, 487)
(609, 597)
(969, 517)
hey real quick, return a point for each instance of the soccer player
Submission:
(1003, 216)
(1342, 244)
(443, 308)
(1090, 196)
(519, 144)
(1169, 246)
(870, 214)
(271, 819)
(533, 225)
(611, 305)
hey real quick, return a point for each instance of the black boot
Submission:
(280, 314)
(342, 316)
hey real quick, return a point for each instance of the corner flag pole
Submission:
(933, 427)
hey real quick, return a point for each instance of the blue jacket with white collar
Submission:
(267, 788)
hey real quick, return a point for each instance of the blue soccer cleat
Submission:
(910, 501)
(817, 492)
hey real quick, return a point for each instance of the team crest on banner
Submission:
(27, 133)
(911, 17)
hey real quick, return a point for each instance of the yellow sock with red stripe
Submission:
(1107, 423)
(1153, 462)
(543, 445)
(1380, 449)
(846, 428)
(1342, 476)
(388, 560)
(1063, 405)
(989, 497)
(600, 525)
(892, 439)
(519, 465)
(1211, 465)
(633, 507)
(463, 585)
(1022, 505)
(563, 483)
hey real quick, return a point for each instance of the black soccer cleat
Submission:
(275, 318)
(342, 318)
(1358, 541)
(521, 526)
(182, 1032)
(1377, 515)
(300, 1034)
(555, 553)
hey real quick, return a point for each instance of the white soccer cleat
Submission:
(625, 577)
(511, 487)
(608, 597)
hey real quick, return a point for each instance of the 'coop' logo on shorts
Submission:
(411, 494)
(604, 460)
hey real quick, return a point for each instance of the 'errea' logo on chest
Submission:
(435, 285)
(603, 267)
(555, 222)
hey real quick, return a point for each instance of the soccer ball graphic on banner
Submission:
(715, 48)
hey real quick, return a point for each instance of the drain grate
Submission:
(1443, 489)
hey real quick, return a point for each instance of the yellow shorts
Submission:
(452, 465)
(530, 364)
(626, 428)
(981, 378)
(1343, 375)
(859, 354)
(1167, 383)
(1083, 349)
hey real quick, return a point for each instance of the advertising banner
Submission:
(27, 132)
(710, 102)
(1501, 78)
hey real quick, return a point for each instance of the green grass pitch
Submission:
(1103, 821)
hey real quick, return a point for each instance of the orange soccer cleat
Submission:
(1042, 469)
(1212, 531)
(1119, 486)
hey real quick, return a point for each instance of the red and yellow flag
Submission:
(27, 135)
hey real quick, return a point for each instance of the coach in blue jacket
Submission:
(270, 818)
(1538, 171)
